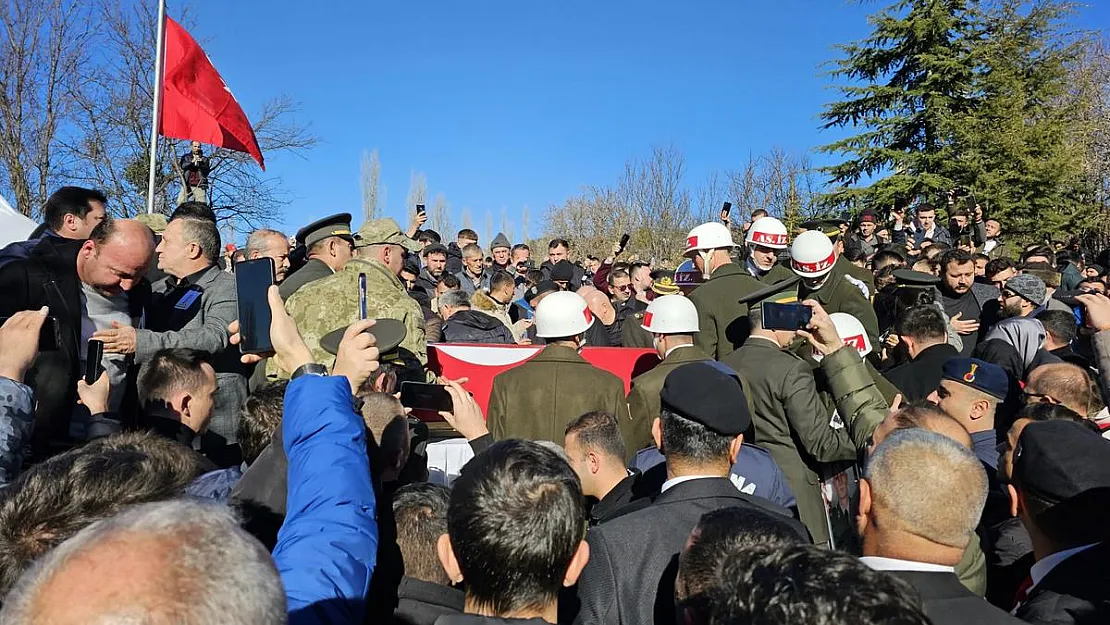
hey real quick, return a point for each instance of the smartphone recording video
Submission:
(253, 278)
(785, 316)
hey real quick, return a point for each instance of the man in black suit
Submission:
(1058, 479)
(634, 558)
(919, 528)
(596, 450)
(923, 332)
(420, 511)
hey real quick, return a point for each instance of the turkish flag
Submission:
(196, 103)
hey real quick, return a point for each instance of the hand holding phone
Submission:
(725, 210)
(624, 241)
(420, 209)
(253, 278)
(93, 357)
(426, 398)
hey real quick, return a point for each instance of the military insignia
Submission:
(638, 315)
(647, 319)
(970, 375)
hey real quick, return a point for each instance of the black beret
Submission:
(707, 393)
(536, 290)
(1059, 460)
(915, 279)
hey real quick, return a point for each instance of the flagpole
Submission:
(159, 71)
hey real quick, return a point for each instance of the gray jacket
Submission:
(202, 325)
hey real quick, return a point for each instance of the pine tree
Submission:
(909, 77)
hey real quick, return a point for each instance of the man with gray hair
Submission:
(266, 243)
(918, 527)
(186, 562)
(473, 276)
(461, 324)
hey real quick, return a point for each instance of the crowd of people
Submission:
(922, 444)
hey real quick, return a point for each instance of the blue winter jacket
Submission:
(328, 544)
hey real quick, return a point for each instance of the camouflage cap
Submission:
(154, 221)
(388, 334)
(382, 231)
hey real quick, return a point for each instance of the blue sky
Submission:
(513, 104)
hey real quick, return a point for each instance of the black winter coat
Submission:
(473, 326)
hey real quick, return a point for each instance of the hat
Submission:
(979, 375)
(915, 279)
(868, 216)
(665, 286)
(1028, 286)
(562, 271)
(830, 227)
(707, 393)
(1099, 269)
(782, 292)
(434, 248)
(1059, 460)
(500, 241)
(382, 231)
(155, 221)
(338, 225)
(388, 333)
(536, 290)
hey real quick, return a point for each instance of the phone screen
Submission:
(420, 208)
(93, 356)
(49, 338)
(726, 209)
(785, 316)
(252, 279)
(429, 397)
(624, 240)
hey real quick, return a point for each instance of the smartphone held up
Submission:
(253, 279)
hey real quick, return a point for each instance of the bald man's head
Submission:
(116, 256)
(925, 416)
(599, 304)
(1060, 383)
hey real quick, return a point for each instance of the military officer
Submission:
(333, 301)
(537, 399)
(789, 418)
(328, 245)
(672, 322)
(813, 258)
(863, 279)
(722, 317)
(633, 333)
(764, 239)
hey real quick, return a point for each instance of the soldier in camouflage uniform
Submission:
(332, 302)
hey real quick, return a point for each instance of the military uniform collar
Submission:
(559, 352)
(727, 269)
(378, 266)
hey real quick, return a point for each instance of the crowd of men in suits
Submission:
(920, 441)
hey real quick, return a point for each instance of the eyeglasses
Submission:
(622, 287)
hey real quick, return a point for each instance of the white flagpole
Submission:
(159, 74)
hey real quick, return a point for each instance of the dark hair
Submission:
(980, 256)
(796, 584)
(554, 243)
(917, 414)
(599, 431)
(260, 418)
(193, 210)
(533, 276)
(617, 273)
(854, 253)
(957, 256)
(468, 234)
(520, 246)
(69, 201)
(203, 233)
(1060, 324)
(170, 370)
(411, 267)
(719, 534)
(516, 519)
(420, 511)
(999, 265)
(53, 500)
(438, 250)
(884, 258)
(449, 280)
(501, 278)
(923, 323)
(924, 208)
(691, 441)
(759, 212)
(1044, 411)
(429, 235)
(103, 231)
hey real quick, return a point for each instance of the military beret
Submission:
(978, 374)
(562, 271)
(388, 334)
(915, 279)
(1059, 460)
(383, 231)
(781, 292)
(709, 394)
(537, 290)
(338, 225)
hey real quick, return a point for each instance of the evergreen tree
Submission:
(907, 79)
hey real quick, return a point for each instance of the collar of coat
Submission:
(366, 265)
(559, 353)
(727, 269)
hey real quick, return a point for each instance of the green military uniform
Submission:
(633, 333)
(537, 399)
(312, 271)
(777, 273)
(845, 267)
(723, 319)
(839, 295)
(643, 398)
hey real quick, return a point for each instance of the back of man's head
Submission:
(420, 511)
(804, 585)
(688, 442)
(193, 210)
(179, 562)
(55, 499)
(1062, 383)
(1060, 325)
(168, 372)
(943, 509)
(69, 201)
(515, 523)
(384, 417)
(718, 535)
(924, 324)
(501, 280)
(927, 416)
(260, 418)
(600, 433)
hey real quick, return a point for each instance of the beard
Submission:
(1009, 311)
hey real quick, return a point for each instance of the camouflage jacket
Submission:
(17, 419)
(332, 302)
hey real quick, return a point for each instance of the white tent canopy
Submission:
(13, 225)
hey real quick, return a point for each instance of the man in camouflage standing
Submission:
(333, 302)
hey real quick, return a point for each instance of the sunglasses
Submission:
(622, 287)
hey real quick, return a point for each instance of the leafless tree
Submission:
(524, 223)
(418, 192)
(466, 221)
(370, 175)
(506, 227)
(44, 55)
(439, 218)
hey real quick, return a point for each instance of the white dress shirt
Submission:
(674, 481)
(1044, 566)
(879, 563)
